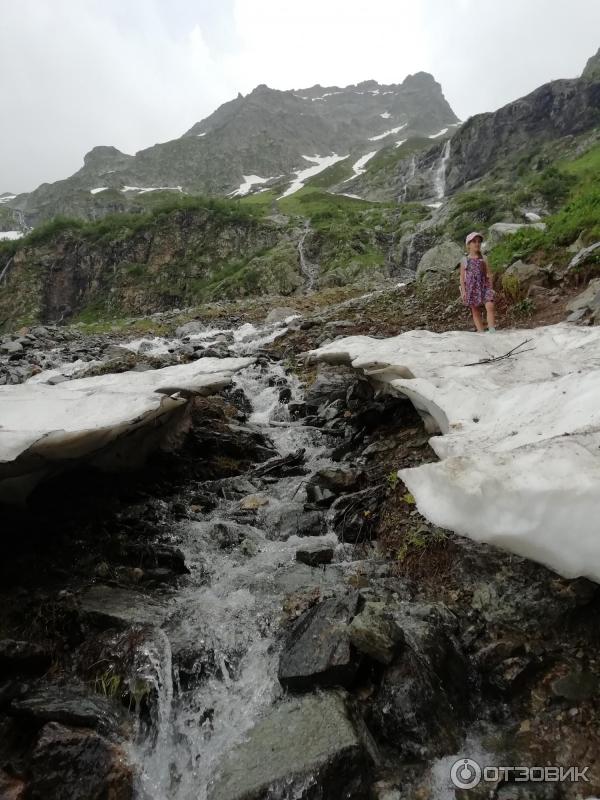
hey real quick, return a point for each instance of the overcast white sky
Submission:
(78, 73)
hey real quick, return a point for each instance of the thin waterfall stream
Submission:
(228, 610)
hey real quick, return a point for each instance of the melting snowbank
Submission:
(520, 450)
(320, 163)
(111, 420)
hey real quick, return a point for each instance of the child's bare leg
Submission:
(477, 318)
(491, 315)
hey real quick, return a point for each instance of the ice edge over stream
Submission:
(520, 446)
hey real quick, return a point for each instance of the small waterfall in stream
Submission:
(226, 613)
(308, 269)
(439, 176)
(411, 174)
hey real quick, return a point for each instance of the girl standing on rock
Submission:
(476, 283)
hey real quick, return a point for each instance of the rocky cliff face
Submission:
(161, 265)
(557, 109)
(264, 134)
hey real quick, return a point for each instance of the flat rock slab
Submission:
(318, 650)
(71, 706)
(113, 607)
(306, 742)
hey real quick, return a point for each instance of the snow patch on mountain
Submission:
(387, 133)
(7, 197)
(319, 164)
(439, 133)
(400, 142)
(247, 184)
(99, 189)
(385, 115)
(520, 446)
(144, 189)
(359, 166)
(6, 235)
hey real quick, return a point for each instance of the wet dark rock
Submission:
(315, 553)
(354, 516)
(11, 787)
(318, 650)
(70, 705)
(318, 496)
(359, 394)
(423, 694)
(375, 633)
(296, 522)
(332, 383)
(229, 488)
(228, 535)
(78, 765)
(114, 607)
(328, 412)
(236, 442)
(22, 658)
(511, 674)
(285, 395)
(313, 741)
(283, 466)
(192, 663)
(340, 479)
(150, 556)
(577, 686)
(297, 410)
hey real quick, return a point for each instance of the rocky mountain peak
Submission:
(102, 154)
(592, 68)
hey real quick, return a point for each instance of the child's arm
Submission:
(462, 279)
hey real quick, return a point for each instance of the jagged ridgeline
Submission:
(282, 192)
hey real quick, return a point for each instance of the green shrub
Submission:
(554, 186)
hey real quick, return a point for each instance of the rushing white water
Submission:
(439, 177)
(228, 610)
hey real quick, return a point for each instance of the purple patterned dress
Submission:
(477, 290)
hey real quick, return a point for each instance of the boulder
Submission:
(78, 765)
(587, 302)
(423, 694)
(113, 607)
(311, 741)
(190, 328)
(11, 348)
(525, 273)
(279, 314)
(354, 516)
(440, 261)
(315, 552)
(499, 230)
(583, 255)
(375, 633)
(297, 522)
(332, 383)
(317, 651)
